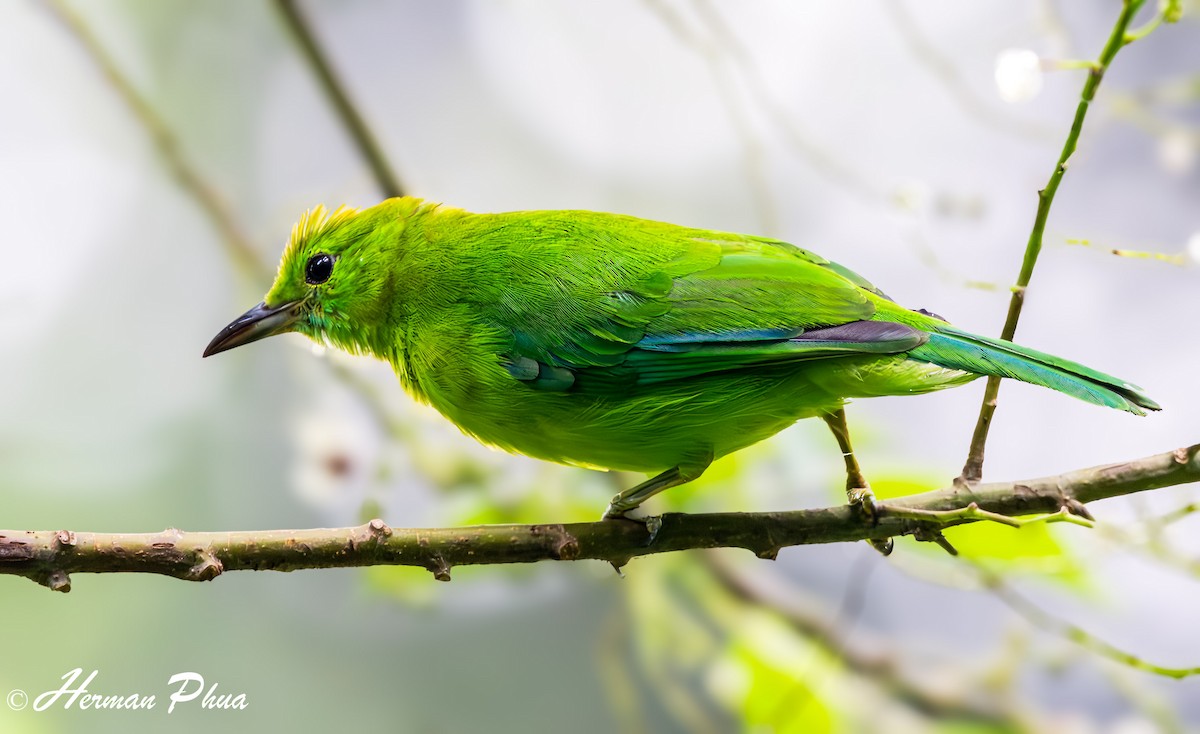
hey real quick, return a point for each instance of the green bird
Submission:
(611, 342)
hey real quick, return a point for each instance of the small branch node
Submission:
(566, 549)
(1065, 515)
(208, 568)
(928, 534)
(1075, 507)
(65, 539)
(439, 568)
(58, 580)
(768, 554)
(973, 511)
(379, 530)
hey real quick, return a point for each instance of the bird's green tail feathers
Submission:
(956, 349)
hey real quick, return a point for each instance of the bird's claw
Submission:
(614, 512)
(863, 499)
(885, 546)
(653, 523)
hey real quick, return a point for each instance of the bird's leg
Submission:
(858, 490)
(631, 498)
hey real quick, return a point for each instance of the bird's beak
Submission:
(257, 323)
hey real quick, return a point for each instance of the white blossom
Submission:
(337, 453)
(1193, 246)
(1177, 151)
(1018, 75)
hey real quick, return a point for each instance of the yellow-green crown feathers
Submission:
(314, 223)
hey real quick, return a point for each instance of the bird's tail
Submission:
(956, 349)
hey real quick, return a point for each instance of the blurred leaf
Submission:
(406, 584)
(666, 619)
(901, 484)
(987, 540)
(673, 642)
(1172, 10)
(370, 509)
(972, 727)
(25, 721)
(1030, 549)
(732, 483)
(718, 487)
(553, 504)
(764, 677)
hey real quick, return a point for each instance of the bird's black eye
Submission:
(318, 269)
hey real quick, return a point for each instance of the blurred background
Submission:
(155, 154)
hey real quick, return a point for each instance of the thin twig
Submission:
(973, 512)
(1067, 630)
(973, 469)
(753, 156)
(238, 246)
(335, 90)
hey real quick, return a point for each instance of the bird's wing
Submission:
(688, 303)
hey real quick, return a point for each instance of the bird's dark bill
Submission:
(257, 323)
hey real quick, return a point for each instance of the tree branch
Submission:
(973, 469)
(49, 557)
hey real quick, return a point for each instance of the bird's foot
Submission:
(653, 523)
(863, 500)
(615, 510)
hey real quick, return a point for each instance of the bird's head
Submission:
(331, 282)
